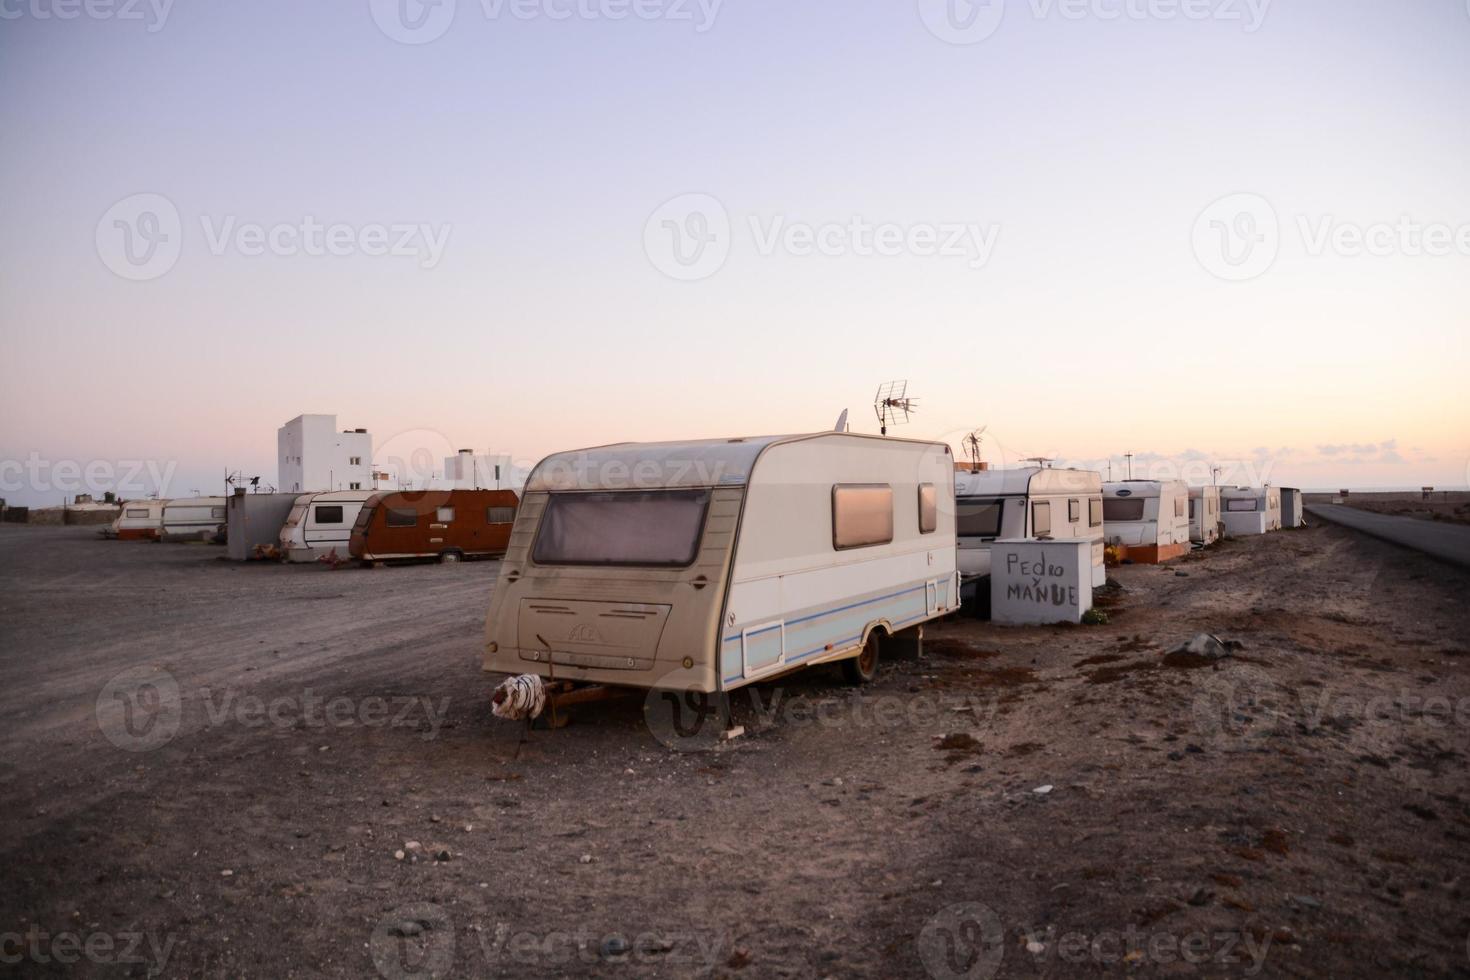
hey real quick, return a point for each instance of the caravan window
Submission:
(653, 528)
(862, 515)
(216, 512)
(1074, 511)
(1178, 506)
(1238, 504)
(401, 517)
(1095, 512)
(137, 511)
(329, 514)
(1123, 509)
(978, 518)
(500, 515)
(1191, 508)
(444, 515)
(928, 508)
(1040, 518)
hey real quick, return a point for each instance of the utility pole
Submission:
(1129, 457)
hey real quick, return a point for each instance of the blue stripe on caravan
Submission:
(829, 612)
(823, 647)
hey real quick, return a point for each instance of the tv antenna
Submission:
(893, 405)
(972, 447)
(1042, 461)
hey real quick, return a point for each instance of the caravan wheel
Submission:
(449, 557)
(864, 667)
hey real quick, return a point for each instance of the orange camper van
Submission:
(449, 525)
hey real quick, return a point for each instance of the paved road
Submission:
(1447, 542)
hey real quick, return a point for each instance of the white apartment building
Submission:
(313, 455)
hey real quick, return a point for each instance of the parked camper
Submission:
(193, 519)
(139, 520)
(321, 523)
(1291, 507)
(1148, 520)
(1204, 515)
(446, 524)
(1025, 503)
(1250, 510)
(704, 566)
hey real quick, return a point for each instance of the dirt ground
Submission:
(259, 771)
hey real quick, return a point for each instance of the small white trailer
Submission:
(193, 518)
(705, 566)
(1147, 520)
(1204, 515)
(320, 524)
(1291, 507)
(1030, 502)
(139, 520)
(1250, 510)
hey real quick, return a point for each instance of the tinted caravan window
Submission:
(399, 517)
(928, 508)
(329, 515)
(1123, 508)
(976, 518)
(500, 515)
(624, 527)
(1040, 518)
(862, 515)
(1238, 504)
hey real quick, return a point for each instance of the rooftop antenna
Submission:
(893, 405)
(1129, 457)
(1044, 462)
(972, 447)
(841, 425)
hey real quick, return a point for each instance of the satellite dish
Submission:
(841, 425)
(892, 405)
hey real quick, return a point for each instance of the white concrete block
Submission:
(1034, 582)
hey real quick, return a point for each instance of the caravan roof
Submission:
(664, 465)
(1026, 480)
(1140, 488)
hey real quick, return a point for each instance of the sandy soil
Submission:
(1301, 808)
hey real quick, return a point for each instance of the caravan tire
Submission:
(864, 667)
(450, 557)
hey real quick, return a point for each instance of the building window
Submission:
(500, 515)
(444, 515)
(1094, 512)
(1074, 511)
(354, 486)
(928, 508)
(329, 515)
(862, 515)
(354, 460)
(1040, 518)
(398, 517)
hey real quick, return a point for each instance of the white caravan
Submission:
(320, 523)
(1250, 510)
(1026, 503)
(139, 520)
(1147, 520)
(1204, 515)
(193, 518)
(704, 566)
(1291, 507)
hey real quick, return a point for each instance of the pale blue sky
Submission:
(1088, 146)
